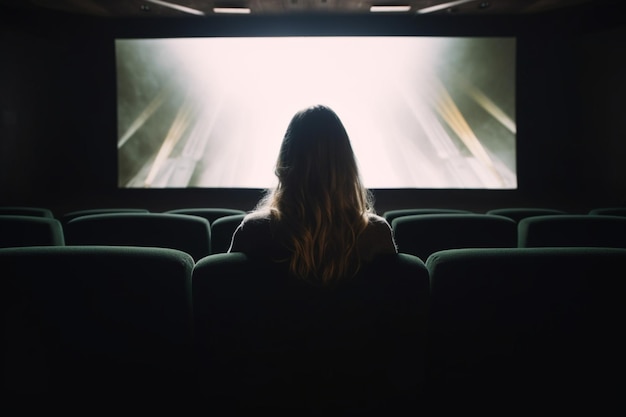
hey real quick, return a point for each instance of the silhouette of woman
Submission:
(319, 218)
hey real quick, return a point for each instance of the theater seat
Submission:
(516, 330)
(573, 230)
(392, 214)
(26, 211)
(270, 342)
(17, 231)
(190, 234)
(609, 211)
(519, 213)
(93, 329)
(86, 212)
(209, 213)
(421, 235)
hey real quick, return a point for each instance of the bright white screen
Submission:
(421, 112)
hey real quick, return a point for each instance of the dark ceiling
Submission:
(178, 8)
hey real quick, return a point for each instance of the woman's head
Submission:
(316, 159)
(320, 199)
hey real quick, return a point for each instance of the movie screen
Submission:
(421, 112)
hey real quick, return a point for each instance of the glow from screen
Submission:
(421, 112)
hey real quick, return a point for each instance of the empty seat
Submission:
(519, 213)
(78, 213)
(392, 214)
(209, 213)
(268, 341)
(222, 230)
(190, 234)
(610, 211)
(573, 230)
(421, 235)
(92, 327)
(527, 328)
(26, 211)
(18, 230)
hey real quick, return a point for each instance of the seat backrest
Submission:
(573, 230)
(26, 211)
(535, 327)
(16, 230)
(392, 214)
(86, 212)
(519, 213)
(270, 339)
(421, 235)
(190, 234)
(610, 211)
(209, 213)
(103, 325)
(222, 230)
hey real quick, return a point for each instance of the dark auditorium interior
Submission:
(61, 152)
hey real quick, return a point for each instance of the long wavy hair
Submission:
(320, 201)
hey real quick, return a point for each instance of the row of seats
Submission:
(415, 234)
(515, 213)
(192, 233)
(424, 234)
(212, 213)
(507, 330)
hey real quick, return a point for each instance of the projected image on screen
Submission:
(421, 112)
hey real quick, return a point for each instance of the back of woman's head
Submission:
(316, 160)
(320, 198)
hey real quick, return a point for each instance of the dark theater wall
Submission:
(58, 133)
(602, 89)
(55, 107)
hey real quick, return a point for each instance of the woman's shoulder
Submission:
(256, 222)
(375, 220)
(252, 231)
(256, 218)
(377, 237)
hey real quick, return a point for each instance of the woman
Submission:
(320, 218)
